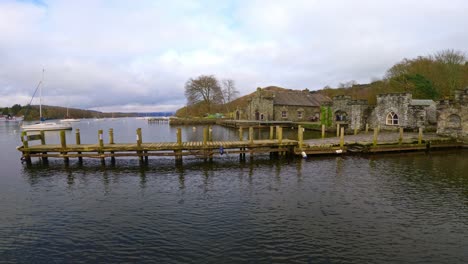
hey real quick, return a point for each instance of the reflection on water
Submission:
(393, 208)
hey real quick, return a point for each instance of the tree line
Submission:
(434, 77)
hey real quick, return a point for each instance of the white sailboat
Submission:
(42, 126)
(68, 120)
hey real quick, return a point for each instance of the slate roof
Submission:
(299, 98)
(421, 102)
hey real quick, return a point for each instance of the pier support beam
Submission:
(342, 137)
(323, 131)
(178, 152)
(78, 142)
(139, 141)
(43, 142)
(101, 146)
(63, 144)
(111, 141)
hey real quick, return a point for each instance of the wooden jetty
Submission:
(206, 149)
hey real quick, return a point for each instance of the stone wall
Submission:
(350, 113)
(308, 113)
(452, 116)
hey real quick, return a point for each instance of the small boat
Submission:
(44, 125)
(68, 120)
(9, 118)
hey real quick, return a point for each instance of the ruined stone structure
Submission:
(452, 115)
(401, 110)
(350, 113)
(391, 112)
(285, 105)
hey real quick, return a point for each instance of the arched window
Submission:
(262, 117)
(392, 119)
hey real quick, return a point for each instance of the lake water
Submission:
(391, 208)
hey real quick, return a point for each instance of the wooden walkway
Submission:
(206, 149)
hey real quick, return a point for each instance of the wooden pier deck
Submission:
(206, 149)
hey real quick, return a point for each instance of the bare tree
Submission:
(205, 89)
(451, 56)
(229, 90)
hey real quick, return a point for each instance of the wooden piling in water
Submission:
(272, 131)
(101, 146)
(43, 142)
(78, 142)
(342, 137)
(139, 141)
(178, 152)
(63, 144)
(241, 134)
(323, 131)
(337, 130)
(367, 128)
(355, 130)
(251, 135)
(111, 141)
(300, 136)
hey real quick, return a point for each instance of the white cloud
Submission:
(131, 55)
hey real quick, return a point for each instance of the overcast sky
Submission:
(137, 55)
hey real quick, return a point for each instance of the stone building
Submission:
(452, 115)
(285, 105)
(350, 113)
(390, 112)
(401, 110)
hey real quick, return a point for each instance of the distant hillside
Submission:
(57, 112)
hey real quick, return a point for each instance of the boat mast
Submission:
(40, 97)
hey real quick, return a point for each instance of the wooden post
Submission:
(101, 145)
(300, 135)
(323, 131)
(178, 153)
(272, 131)
(139, 141)
(400, 138)
(63, 144)
(367, 128)
(42, 137)
(342, 138)
(78, 142)
(179, 136)
(355, 129)
(111, 141)
(43, 142)
(26, 156)
(337, 130)
(241, 134)
(374, 141)
(251, 135)
(205, 136)
(280, 134)
(111, 136)
(210, 134)
(420, 135)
